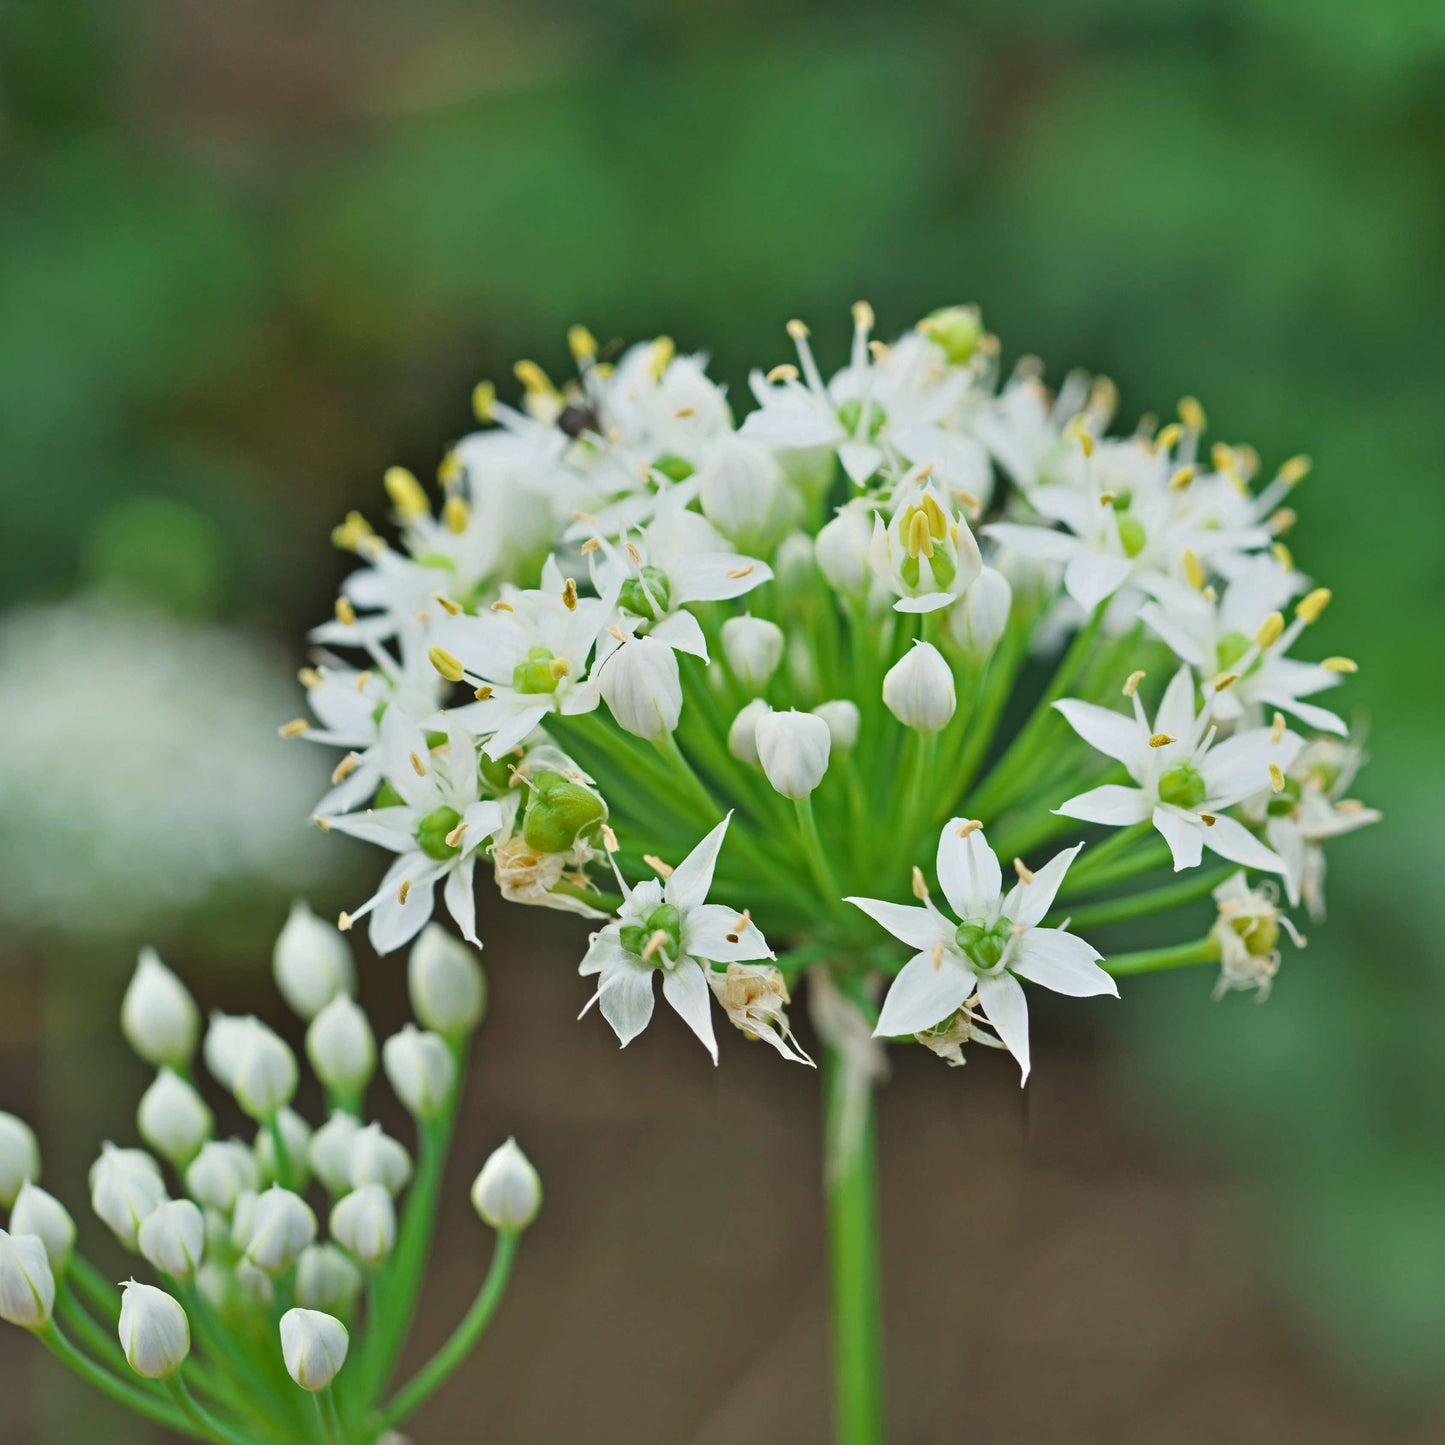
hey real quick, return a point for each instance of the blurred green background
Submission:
(252, 254)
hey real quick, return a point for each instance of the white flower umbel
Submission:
(1183, 779)
(996, 940)
(1247, 931)
(436, 827)
(919, 690)
(445, 983)
(158, 1016)
(421, 1070)
(364, 1224)
(27, 1285)
(314, 1346)
(793, 748)
(668, 927)
(43, 1215)
(312, 962)
(19, 1157)
(173, 1239)
(507, 1194)
(154, 1331)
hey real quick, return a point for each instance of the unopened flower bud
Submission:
(639, 682)
(158, 1016)
(295, 1139)
(326, 1279)
(263, 1076)
(843, 720)
(19, 1157)
(281, 1228)
(374, 1157)
(445, 981)
(741, 491)
(793, 748)
(342, 1048)
(43, 1215)
(508, 1192)
(364, 1223)
(173, 1238)
(329, 1153)
(254, 1283)
(743, 734)
(173, 1118)
(918, 689)
(794, 566)
(125, 1187)
(957, 329)
(559, 810)
(312, 962)
(842, 552)
(221, 1173)
(753, 647)
(27, 1284)
(154, 1331)
(243, 1219)
(978, 619)
(314, 1347)
(421, 1069)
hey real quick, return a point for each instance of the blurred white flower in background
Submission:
(141, 767)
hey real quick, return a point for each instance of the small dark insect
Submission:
(575, 420)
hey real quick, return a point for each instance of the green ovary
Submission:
(1131, 535)
(984, 943)
(851, 413)
(431, 833)
(664, 919)
(1183, 787)
(646, 595)
(535, 675)
(1232, 646)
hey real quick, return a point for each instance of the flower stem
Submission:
(1157, 960)
(1142, 905)
(205, 1423)
(121, 1391)
(331, 1426)
(851, 1159)
(438, 1370)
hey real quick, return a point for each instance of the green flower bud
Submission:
(431, 833)
(647, 595)
(673, 467)
(1232, 646)
(984, 943)
(536, 674)
(957, 329)
(1182, 786)
(558, 812)
(387, 797)
(664, 919)
(1131, 535)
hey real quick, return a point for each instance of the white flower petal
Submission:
(625, 998)
(926, 991)
(685, 988)
(719, 933)
(1002, 997)
(1184, 833)
(461, 899)
(968, 872)
(1090, 577)
(691, 879)
(1060, 961)
(1176, 707)
(1232, 840)
(1112, 803)
(1115, 734)
(916, 926)
(1028, 902)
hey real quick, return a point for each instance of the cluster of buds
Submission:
(632, 620)
(263, 1248)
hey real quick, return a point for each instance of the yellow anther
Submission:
(1277, 729)
(683, 412)
(363, 680)
(345, 768)
(1103, 397)
(1208, 819)
(1160, 740)
(1269, 630)
(1282, 520)
(786, 372)
(863, 317)
(1224, 680)
(404, 892)
(1026, 874)
(747, 571)
(295, 727)
(1313, 603)
(569, 594)
(878, 350)
(797, 330)
(353, 534)
(663, 870)
(635, 553)
(1223, 457)
(1192, 570)
(450, 470)
(1182, 479)
(609, 838)
(417, 765)
(445, 663)
(482, 693)
(590, 545)
(456, 514)
(1076, 430)
(1209, 595)
(1168, 437)
(1276, 777)
(534, 379)
(322, 823)
(919, 538)
(1131, 683)
(559, 668)
(920, 884)
(1340, 664)
(450, 606)
(968, 826)
(308, 677)
(406, 493)
(1295, 470)
(502, 605)
(581, 343)
(484, 400)
(1282, 555)
(937, 953)
(654, 943)
(343, 921)
(1106, 499)
(454, 838)
(937, 517)
(663, 350)
(1191, 414)
(345, 612)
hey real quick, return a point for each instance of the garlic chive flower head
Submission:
(154, 1331)
(314, 1346)
(507, 1193)
(244, 1238)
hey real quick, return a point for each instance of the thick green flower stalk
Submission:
(260, 1331)
(769, 696)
